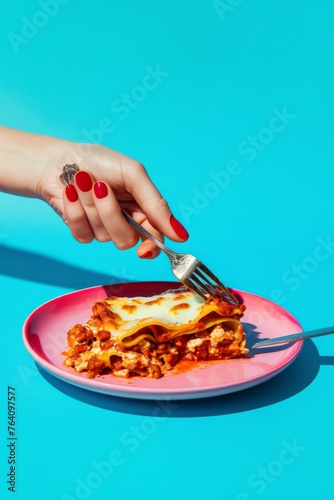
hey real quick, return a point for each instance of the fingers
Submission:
(153, 205)
(75, 215)
(83, 182)
(92, 211)
(121, 233)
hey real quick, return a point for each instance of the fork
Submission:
(294, 337)
(189, 270)
(185, 267)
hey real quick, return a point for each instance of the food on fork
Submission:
(148, 336)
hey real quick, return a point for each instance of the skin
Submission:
(30, 165)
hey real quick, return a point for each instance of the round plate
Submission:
(44, 335)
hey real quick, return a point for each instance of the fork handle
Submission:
(294, 337)
(146, 233)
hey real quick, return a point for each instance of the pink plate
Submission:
(44, 335)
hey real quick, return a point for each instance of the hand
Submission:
(108, 181)
(31, 165)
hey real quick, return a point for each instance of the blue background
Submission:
(227, 69)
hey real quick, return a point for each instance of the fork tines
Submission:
(206, 283)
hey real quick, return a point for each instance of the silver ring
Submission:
(69, 171)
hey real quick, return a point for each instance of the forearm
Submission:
(25, 158)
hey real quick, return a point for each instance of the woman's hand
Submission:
(106, 183)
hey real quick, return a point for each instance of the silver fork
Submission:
(189, 270)
(185, 267)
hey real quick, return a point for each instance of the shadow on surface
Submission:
(294, 379)
(326, 360)
(31, 266)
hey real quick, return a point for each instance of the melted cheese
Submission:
(172, 308)
(179, 312)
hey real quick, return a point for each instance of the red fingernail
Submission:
(178, 228)
(71, 193)
(100, 190)
(83, 181)
(146, 255)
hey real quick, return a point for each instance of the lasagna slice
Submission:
(147, 336)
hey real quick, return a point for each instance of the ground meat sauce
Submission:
(149, 358)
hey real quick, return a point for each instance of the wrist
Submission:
(31, 162)
(51, 157)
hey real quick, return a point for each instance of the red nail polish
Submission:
(100, 190)
(71, 193)
(178, 228)
(84, 181)
(146, 255)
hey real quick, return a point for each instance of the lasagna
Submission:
(148, 336)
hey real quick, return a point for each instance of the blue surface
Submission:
(231, 73)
